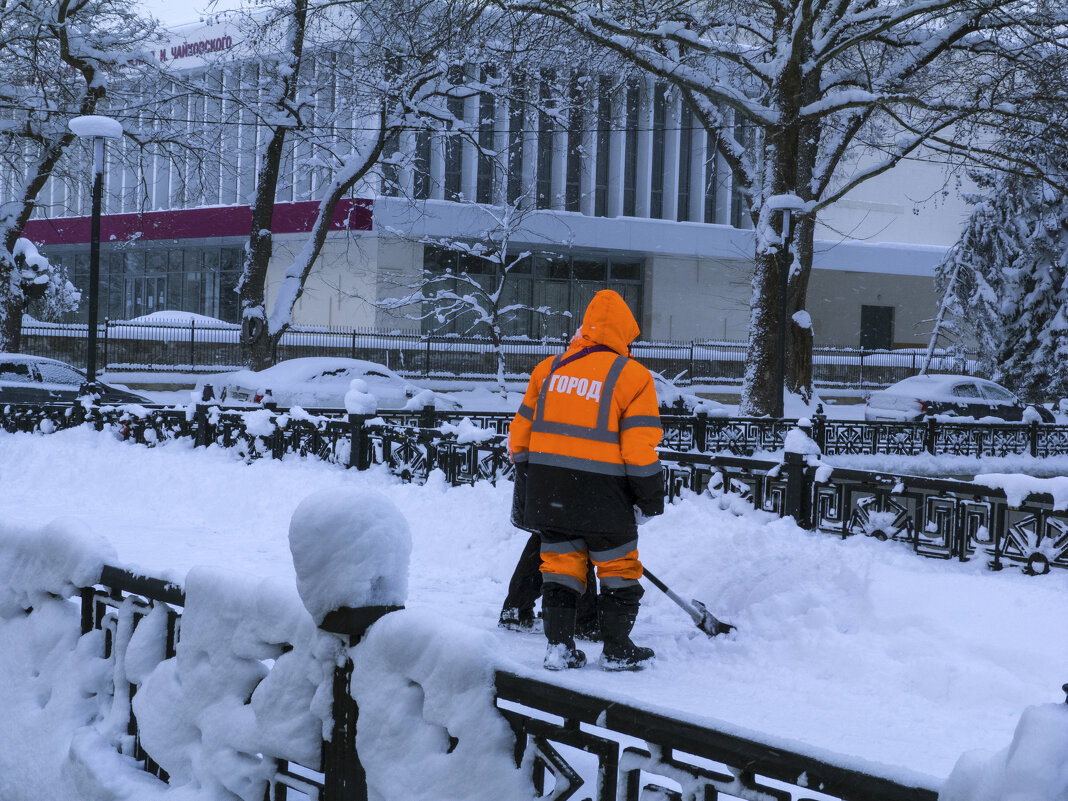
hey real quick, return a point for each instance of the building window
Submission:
(877, 327)
(685, 173)
(604, 133)
(561, 282)
(711, 177)
(140, 281)
(545, 148)
(576, 131)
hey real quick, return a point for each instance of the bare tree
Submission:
(58, 59)
(353, 80)
(481, 294)
(807, 97)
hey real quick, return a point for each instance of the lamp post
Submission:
(96, 129)
(786, 204)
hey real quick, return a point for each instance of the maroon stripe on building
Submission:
(202, 223)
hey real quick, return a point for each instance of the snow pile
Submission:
(350, 549)
(467, 432)
(53, 560)
(358, 400)
(797, 440)
(421, 400)
(218, 715)
(1034, 767)
(1018, 487)
(424, 686)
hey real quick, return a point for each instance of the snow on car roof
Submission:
(931, 382)
(166, 316)
(302, 368)
(25, 357)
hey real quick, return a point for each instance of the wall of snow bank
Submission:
(1034, 767)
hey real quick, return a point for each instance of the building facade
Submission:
(629, 194)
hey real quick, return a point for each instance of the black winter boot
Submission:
(558, 615)
(618, 609)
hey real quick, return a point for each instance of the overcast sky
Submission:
(175, 12)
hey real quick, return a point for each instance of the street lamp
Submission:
(786, 204)
(97, 129)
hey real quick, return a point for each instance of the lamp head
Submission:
(93, 126)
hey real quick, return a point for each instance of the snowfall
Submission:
(940, 674)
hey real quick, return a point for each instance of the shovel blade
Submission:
(709, 623)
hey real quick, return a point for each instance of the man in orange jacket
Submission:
(584, 442)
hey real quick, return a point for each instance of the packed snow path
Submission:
(856, 647)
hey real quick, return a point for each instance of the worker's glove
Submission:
(640, 517)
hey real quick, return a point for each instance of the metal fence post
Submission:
(793, 503)
(344, 778)
(359, 452)
(1032, 439)
(426, 362)
(819, 427)
(700, 432)
(104, 363)
(929, 435)
(192, 343)
(428, 417)
(202, 433)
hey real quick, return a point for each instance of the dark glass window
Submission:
(604, 134)
(685, 151)
(575, 133)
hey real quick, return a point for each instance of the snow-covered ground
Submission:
(859, 648)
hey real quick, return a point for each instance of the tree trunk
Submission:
(12, 304)
(258, 347)
(799, 338)
(759, 388)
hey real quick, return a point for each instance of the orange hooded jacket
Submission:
(587, 430)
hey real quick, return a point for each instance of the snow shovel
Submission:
(705, 620)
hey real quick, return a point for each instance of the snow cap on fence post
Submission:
(358, 400)
(350, 549)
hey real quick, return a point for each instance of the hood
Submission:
(608, 321)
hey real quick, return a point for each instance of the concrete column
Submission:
(406, 174)
(437, 166)
(617, 148)
(529, 191)
(698, 157)
(644, 177)
(558, 175)
(501, 122)
(588, 176)
(469, 160)
(724, 180)
(672, 140)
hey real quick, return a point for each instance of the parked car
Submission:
(317, 382)
(35, 379)
(924, 396)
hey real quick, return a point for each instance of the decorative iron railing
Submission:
(743, 768)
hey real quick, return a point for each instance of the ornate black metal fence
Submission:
(631, 745)
(742, 768)
(935, 517)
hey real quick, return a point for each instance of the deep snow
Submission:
(855, 647)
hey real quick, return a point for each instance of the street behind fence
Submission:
(216, 347)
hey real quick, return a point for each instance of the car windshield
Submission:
(60, 374)
(16, 372)
(994, 392)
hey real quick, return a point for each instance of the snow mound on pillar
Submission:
(358, 400)
(1033, 768)
(424, 687)
(350, 549)
(55, 560)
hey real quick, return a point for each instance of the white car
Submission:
(922, 396)
(316, 382)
